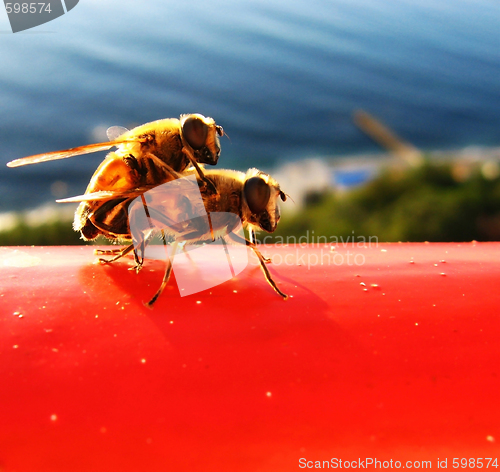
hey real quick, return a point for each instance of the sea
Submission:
(283, 78)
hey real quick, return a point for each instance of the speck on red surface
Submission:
(392, 354)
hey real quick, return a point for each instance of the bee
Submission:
(149, 154)
(160, 152)
(249, 198)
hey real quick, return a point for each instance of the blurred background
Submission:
(378, 117)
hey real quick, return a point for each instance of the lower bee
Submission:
(252, 199)
(147, 155)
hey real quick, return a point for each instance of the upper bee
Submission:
(174, 141)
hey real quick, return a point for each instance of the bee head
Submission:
(260, 194)
(202, 135)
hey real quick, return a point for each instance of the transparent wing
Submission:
(175, 207)
(114, 132)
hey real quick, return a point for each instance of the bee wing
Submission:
(76, 151)
(107, 195)
(115, 131)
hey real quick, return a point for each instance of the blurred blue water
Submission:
(281, 77)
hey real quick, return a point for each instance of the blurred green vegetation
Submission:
(413, 204)
(59, 233)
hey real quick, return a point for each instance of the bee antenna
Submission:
(288, 196)
(227, 136)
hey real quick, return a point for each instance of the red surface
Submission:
(91, 380)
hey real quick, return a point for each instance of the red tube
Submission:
(387, 351)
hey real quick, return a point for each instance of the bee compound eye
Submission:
(220, 130)
(195, 132)
(257, 194)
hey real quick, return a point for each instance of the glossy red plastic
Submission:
(387, 351)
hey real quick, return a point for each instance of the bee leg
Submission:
(166, 277)
(186, 252)
(262, 260)
(253, 239)
(267, 274)
(107, 252)
(251, 236)
(139, 262)
(201, 175)
(154, 162)
(211, 227)
(119, 254)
